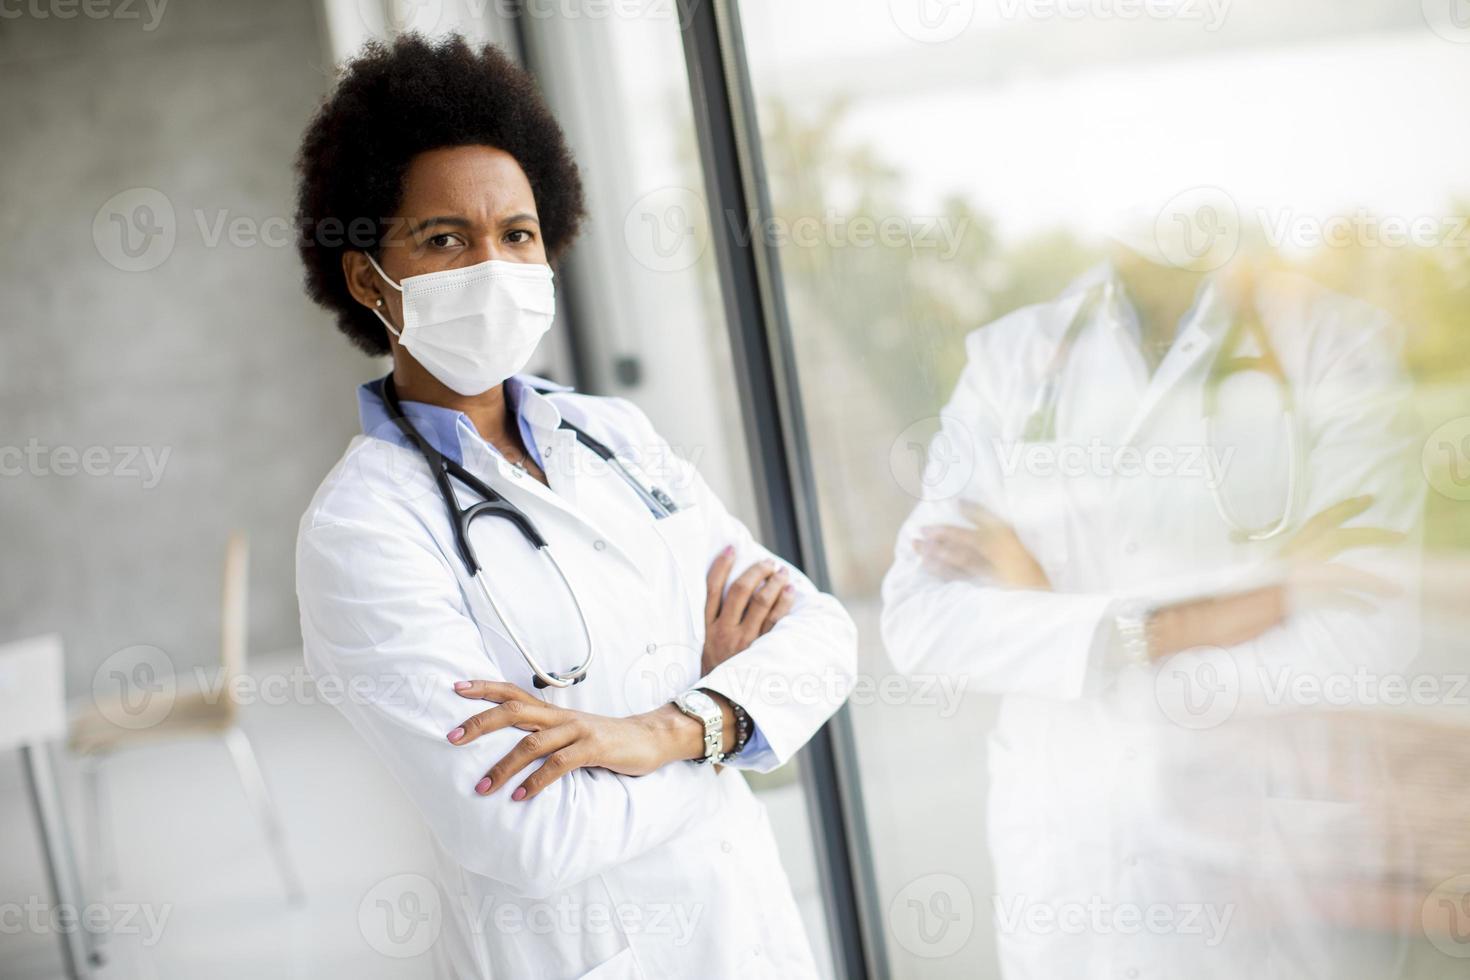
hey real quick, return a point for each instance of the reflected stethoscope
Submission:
(1041, 424)
(495, 505)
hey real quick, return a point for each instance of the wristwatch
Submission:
(702, 708)
(1134, 622)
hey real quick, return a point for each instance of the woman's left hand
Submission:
(568, 740)
(988, 546)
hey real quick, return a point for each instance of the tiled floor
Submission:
(197, 894)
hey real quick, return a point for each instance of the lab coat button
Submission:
(726, 846)
(1132, 973)
(1130, 754)
(651, 648)
(599, 544)
(1130, 547)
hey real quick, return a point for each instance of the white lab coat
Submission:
(671, 874)
(1098, 792)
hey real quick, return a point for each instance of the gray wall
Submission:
(213, 356)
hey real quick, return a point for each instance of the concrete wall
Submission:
(182, 344)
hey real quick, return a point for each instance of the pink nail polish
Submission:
(483, 786)
(461, 685)
(728, 551)
(456, 735)
(519, 794)
(789, 589)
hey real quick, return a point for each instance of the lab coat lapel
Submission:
(1198, 339)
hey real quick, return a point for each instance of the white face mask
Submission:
(474, 327)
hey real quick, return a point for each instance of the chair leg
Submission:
(253, 780)
(101, 857)
(101, 842)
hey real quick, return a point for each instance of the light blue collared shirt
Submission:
(443, 428)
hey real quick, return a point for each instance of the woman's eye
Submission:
(519, 236)
(441, 241)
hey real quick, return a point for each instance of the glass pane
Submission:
(1131, 347)
(649, 320)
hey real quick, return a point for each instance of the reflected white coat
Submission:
(1127, 787)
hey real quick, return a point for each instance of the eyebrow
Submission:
(451, 221)
(455, 221)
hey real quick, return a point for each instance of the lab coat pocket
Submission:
(623, 966)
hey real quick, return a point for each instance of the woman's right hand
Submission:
(754, 603)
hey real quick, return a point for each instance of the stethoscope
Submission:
(1041, 424)
(495, 505)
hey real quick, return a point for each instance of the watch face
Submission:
(698, 701)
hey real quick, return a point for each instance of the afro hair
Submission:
(392, 103)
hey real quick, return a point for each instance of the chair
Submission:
(95, 736)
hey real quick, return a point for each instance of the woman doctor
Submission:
(595, 826)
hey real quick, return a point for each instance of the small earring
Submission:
(380, 301)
